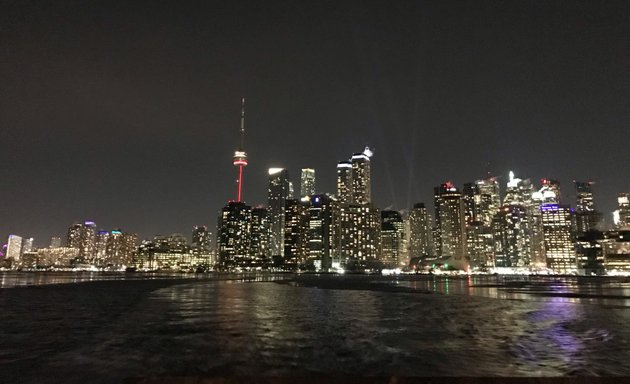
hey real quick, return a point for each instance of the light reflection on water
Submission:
(253, 325)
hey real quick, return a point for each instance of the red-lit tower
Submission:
(240, 157)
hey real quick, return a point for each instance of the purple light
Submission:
(549, 207)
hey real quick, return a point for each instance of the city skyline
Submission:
(133, 124)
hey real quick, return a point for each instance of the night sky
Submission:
(127, 112)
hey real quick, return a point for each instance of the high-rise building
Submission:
(296, 225)
(321, 233)
(201, 238)
(55, 242)
(392, 238)
(120, 248)
(559, 249)
(233, 235)
(14, 248)
(586, 217)
(260, 235)
(102, 238)
(361, 178)
(278, 193)
(307, 182)
(487, 201)
(451, 225)
(420, 243)
(83, 237)
(550, 185)
(344, 182)
(622, 215)
(512, 237)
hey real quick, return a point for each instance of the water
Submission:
(109, 331)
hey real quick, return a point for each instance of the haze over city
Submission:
(128, 114)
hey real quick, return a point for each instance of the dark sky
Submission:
(127, 112)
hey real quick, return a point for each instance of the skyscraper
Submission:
(586, 217)
(83, 237)
(307, 182)
(55, 242)
(260, 235)
(622, 214)
(451, 226)
(233, 235)
(559, 249)
(512, 236)
(420, 244)
(344, 182)
(488, 200)
(321, 232)
(392, 238)
(277, 195)
(201, 237)
(296, 226)
(120, 248)
(14, 248)
(361, 178)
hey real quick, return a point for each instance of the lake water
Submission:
(286, 325)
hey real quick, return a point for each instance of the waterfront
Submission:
(289, 325)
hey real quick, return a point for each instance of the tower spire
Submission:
(240, 157)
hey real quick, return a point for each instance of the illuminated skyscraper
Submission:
(14, 248)
(201, 238)
(260, 234)
(420, 244)
(83, 237)
(120, 249)
(321, 232)
(622, 215)
(586, 217)
(488, 200)
(233, 235)
(55, 242)
(361, 178)
(296, 226)
(344, 182)
(102, 237)
(277, 195)
(392, 238)
(559, 249)
(307, 182)
(552, 186)
(451, 226)
(512, 236)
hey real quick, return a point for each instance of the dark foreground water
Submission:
(112, 331)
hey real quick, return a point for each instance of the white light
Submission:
(273, 171)
(616, 217)
(368, 152)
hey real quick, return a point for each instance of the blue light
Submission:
(549, 207)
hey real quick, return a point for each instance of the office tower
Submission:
(102, 237)
(470, 193)
(296, 226)
(14, 248)
(551, 186)
(27, 244)
(488, 200)
(392, 238)
(307, 182)
(177, 242)
(480, 245)
(120, 249)
(278, 193)
(321, 233)
(55, 242)
(83, 237)
(451, 226)
(521, 193)
(622, 215)
(259, 235)
(240, 157)
(512, 237)
(344, 182)
(559, 249)
(361, 179)
(233, 235)
(360, 229)
(420, 243)
(586, 217)
(201, 238)
(616, 251)
(589, 252)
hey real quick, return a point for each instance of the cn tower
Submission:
(240, 157)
